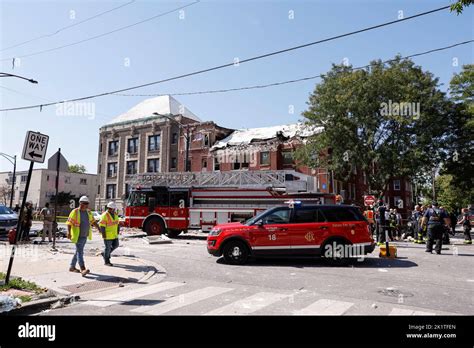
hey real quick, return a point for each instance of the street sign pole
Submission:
(19, 224)
(34, 150)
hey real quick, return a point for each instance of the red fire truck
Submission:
(172, 203)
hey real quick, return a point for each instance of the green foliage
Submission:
(459, 6)
(77, 168)
(449, 195)
(362, 130)
(19, 284)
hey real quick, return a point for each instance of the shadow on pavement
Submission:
(320, 262)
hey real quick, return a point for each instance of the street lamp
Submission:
(186, 136)
(2, 74)
(12, 160)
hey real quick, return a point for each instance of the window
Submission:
(132, 145)
(179, 199)
(204, 163)
(67, 180)
(154, 142)
(98, 189)
(153, 165)
(173, 163)
(47, 177)
(396, 185)
(83, 181)
(217, 165)
(307, 215)
(334, 214)
(100, 147)
(127, 190)
(265, 158)
(174, 138)
(112, 170)
(22, 193)
(23, 178)
(238, 165)
(287, 158)
(206, 140)
(113, 148)
(100, 168)
(397, 202)
(110, 191)
(131, 167)
(280, 216)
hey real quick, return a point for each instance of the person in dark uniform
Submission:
(381, 222)
(436, 219)
(466, 226)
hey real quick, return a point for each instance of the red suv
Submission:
(335, 232)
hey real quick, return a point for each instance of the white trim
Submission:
(222, 210)
(309, 246)
(271, 247)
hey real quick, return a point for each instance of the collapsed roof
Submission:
(244, 137)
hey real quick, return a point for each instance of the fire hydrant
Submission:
(11, 236)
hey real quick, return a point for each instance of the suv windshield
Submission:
(4, 210)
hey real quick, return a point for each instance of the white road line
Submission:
(402, 311)
(132, 294)
(326, 307)
(249, 304)
(181, 300)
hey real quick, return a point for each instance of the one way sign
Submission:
(35, 147)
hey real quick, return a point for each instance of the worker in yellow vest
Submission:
(79, 229)
(110, 228)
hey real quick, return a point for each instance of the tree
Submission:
(386, 121)
(460, 5)
(5, 194)
(448, 195)
(77, 168)
(459, 161)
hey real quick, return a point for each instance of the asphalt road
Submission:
(416, 283)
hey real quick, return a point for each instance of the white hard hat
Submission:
(84, 199)
(112, 205)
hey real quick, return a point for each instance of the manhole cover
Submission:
(392, 292)
(95, 285)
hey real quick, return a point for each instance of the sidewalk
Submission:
(37, 263)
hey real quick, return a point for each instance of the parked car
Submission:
(8, 219)
(334, 232)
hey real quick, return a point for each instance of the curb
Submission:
(33, 307)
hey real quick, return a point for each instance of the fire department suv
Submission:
(335, 232)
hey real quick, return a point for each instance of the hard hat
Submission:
(112, 205)
(84, 199)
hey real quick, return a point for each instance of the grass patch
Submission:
(19, 284)
(25, 298)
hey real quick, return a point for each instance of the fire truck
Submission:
(171, 203)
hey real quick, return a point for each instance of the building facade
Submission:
(43, 183)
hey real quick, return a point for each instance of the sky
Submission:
(206, 34)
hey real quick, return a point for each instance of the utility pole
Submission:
(55, 223)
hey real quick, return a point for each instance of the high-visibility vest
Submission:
(74, 220)
(111, 224)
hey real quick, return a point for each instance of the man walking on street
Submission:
(436, 218)
(27, 221)
(47, 216)
(79, 229)
(466, 225)
(109, 227)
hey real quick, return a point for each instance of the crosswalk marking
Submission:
(182, 300)
(326, 307)
(132, 294)
(402, 311)
(249, 304)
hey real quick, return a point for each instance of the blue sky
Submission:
(212, 33)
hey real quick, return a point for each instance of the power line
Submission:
(103, 34)
(290, 81)
(232, 64)
(67, 27)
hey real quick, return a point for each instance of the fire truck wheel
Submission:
(174, 233)
(155, 226)
(235, 252)
(333, 252)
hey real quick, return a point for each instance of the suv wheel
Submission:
(235, 252)
(333, 253)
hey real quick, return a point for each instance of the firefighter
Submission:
(79, 226)
(436, 219)
(421, 232)
(466, 225)
(109, 227)
(415, 218)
